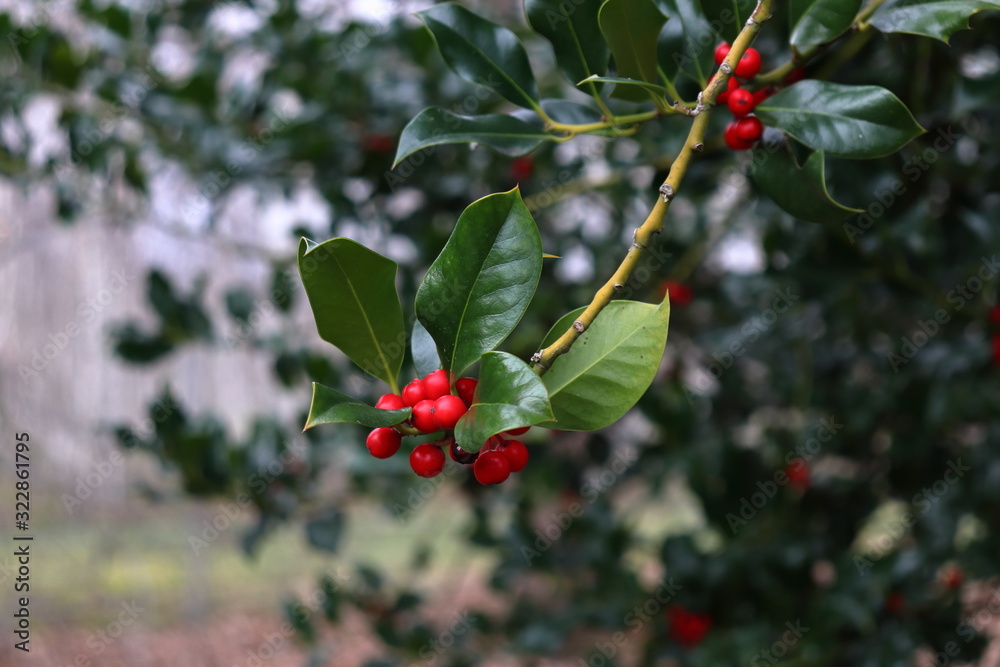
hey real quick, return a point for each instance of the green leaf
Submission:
(324, 531)
(509, 395)
(483, 52)
(610, 365)
(800, 191)
(352, 292)
(939, 19)
(658, 91)
(576, 38)
(505, 134)
(727, 17)
(820, 21)
(478, 288)
(685, 45)
(425, 354)
(632, 27)
(845, 121)
(329, 406)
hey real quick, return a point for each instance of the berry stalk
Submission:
(542, 360)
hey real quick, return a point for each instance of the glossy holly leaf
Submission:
(483, 52)
(352, 292)
(632, 27)
(509, 395)
(576, 37)
(658, 91)
(505, 134)
(845, 121)
(727, 17)
(478, 288)
(939, 19)
(799, 190)
(681, 46)
(425, 354)
(329, 406)
(815, 22)
(610, 365)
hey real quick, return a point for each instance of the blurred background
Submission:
(814, 477)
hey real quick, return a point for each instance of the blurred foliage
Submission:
(591, 515)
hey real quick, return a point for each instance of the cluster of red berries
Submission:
(436, 408)
(743, 133)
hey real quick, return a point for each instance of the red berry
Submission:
(798, 474)
(952, 577)
(491, 468)
(740, 103)
(448, 410)
(427, 460)
(762, 94)
(687, 628)
(414, 392)
(794, 76)
(517, 455)
(749, 65)
(459, 455)
(517, 431)
(730, 87)
(521, 168)
(390, 402)
(437, 384)
(466, 388)
(423, 417)
(680, 294)
(383, 442)
(721, 51)
(733, 141)
(379, 143)
(749, 128)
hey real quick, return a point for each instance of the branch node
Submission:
(536, 358)
(619, 287)
(579, 326)
(667, 191)
(726, 68)
(752, 21)
(698, 147)
(635, 239)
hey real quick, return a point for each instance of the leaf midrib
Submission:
(528, 98)
(555, 390)
(364, 315)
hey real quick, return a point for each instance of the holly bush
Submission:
(804, 473)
